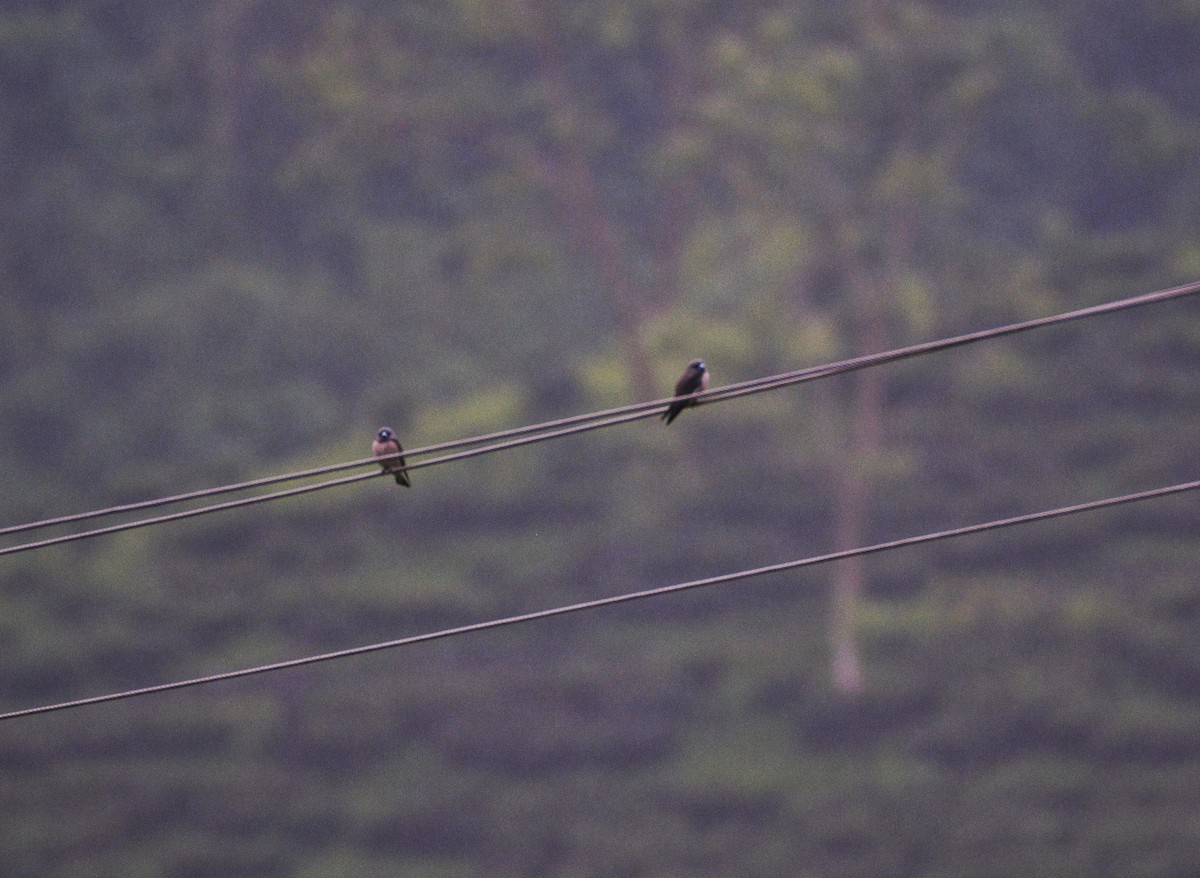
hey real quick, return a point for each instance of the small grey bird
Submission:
(386, 443)
(693, 380)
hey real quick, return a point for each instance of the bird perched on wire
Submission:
(386, 443)
(693, 380)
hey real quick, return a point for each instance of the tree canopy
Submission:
(239, 236)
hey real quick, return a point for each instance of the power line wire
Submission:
(188, 513)
(598, 603)
(308, 489)
(562, 426)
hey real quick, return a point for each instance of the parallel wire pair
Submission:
(462, 449)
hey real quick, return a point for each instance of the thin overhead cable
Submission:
(318, 486)
(187, 513)
(598, 603)
(787, 378)
(563, 426)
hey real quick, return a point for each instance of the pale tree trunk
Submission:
(852, 495)
(593, 231)
(220, 24)
(867, 291)
(567, 173)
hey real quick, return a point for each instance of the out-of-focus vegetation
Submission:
(238, 236)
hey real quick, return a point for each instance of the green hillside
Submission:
(238, 237)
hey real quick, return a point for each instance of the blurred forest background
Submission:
(238, 236)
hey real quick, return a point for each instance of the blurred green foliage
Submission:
(238, 237)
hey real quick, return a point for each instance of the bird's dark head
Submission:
(384, 434)
(698, 365)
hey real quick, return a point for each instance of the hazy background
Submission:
(238, 236)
